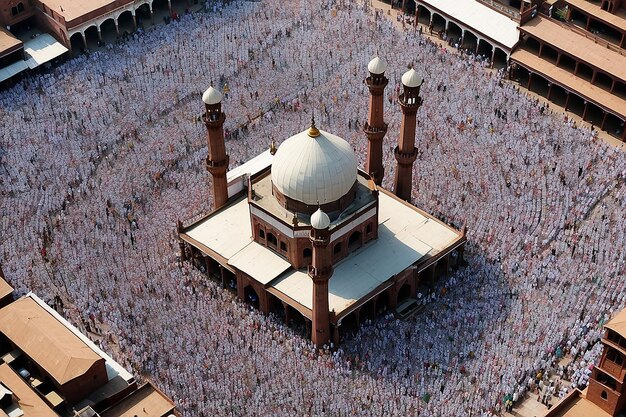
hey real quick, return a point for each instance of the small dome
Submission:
(411, 79)
(212, 96)
(377, 66)
(314, 167)
(320, 220)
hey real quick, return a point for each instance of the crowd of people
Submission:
(101, 156)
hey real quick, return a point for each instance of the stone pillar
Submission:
(84, 40)
(336, 335)
(603, 120)
(99, 34)
(217, 160)
(406, 152)
(375, 128)
(117, 28)
(320, 272)
(530, 80)
(549, 90)
(134, 20)
(585, 110)
(567, 95)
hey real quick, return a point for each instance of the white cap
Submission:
(212, 96)
(320, 220)
(411, 79)
(377, 66)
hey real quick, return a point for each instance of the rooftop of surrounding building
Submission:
(618, 323)
(8, 42)
(481, 18)
(71, 9)
(46, 341)
(576, 404)
(145, 401)
(578, 46)
(617, 20)
(5, 288)
(30, 404)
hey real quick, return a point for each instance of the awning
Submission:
(11, 70)
(42, 49)
(481, 19)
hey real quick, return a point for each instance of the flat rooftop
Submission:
(577, 46)
(145, 401)
(72, 9)
(618, 20)
(46, 341)
(584, 88)
(482, 19)
(618, 323)
(577, 407)
(27, 400)
(8, 42)
(405, 236)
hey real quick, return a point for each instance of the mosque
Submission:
(302, 231)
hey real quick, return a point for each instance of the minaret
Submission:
(320, 272)
(375, 128)
(406, 152)
(217, 159)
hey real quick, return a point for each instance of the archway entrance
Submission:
(125, 23)
(251, 297)
(354, 242)
(382, 303)
(404, 292)
(76, 43)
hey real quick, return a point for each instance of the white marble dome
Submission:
(411, 78)
(314, 169)
(320, 220)
(211, 96)
(377, 66)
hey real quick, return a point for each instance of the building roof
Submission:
(577, 46)
(27, 400)
(72, 9)
(259, 262)
(601, 97)
(480, 19)
(226, 231)
(618, 323)
(42, 49)
(46, 341)
(576, 405)
(314, 169)
(5, 288)
(404, 237)
(617, 20)
(146, 401)
(8, 42)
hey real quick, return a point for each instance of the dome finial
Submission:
(273, 147)
(313, 131)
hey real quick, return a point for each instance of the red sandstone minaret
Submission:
(217, 159)
(320, 272)
(375, 128)
(406, 152)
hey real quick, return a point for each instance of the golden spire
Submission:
(273, 147)
(313, 131)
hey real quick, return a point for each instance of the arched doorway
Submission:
(354, 242)
(439, 23)
(500, 58)
(251, 297)
(91, 34)
(142, 15)
(382, 303)
(484, 48)
(470, 41)
(125, 23)
(109, 31)
(454, 32)
(76, 43)
(276, 308)
(349, 327)
(424, 15)
(404, 293)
